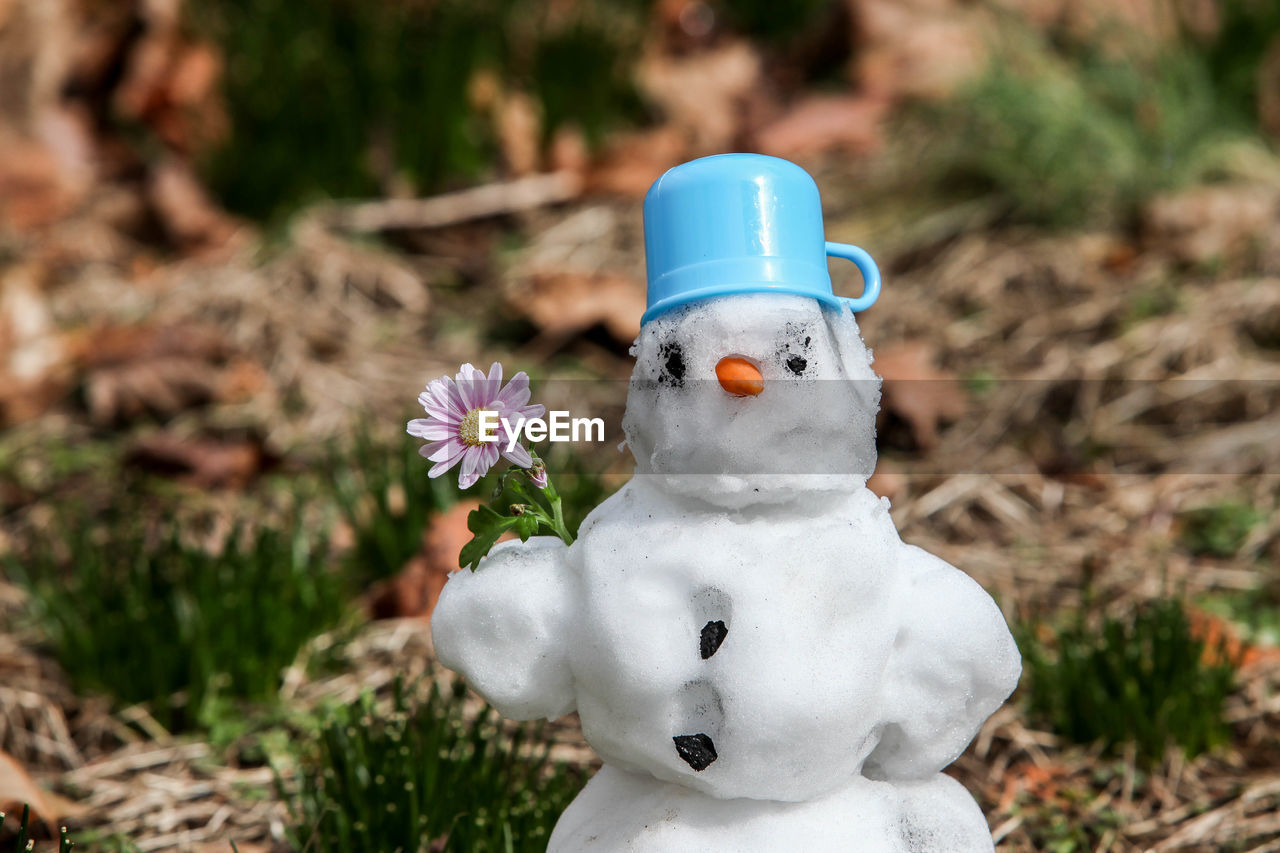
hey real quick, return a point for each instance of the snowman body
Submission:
(779, 708)
(756, 656)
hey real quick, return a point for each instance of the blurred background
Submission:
(237, 238)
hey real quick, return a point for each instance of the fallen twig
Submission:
(438, 211)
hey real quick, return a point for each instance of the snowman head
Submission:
(790, 415)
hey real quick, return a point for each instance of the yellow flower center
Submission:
(469, 432)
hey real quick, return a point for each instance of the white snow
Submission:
(506, 627)
(624, 811)
(807, 433)
(759, 660)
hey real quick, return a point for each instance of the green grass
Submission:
(1254, 612)
(1141, 680)
(1159, 300)
(23, 841)
(315, 86)
(1069, 133)
(1072, 824)
(1219, 530)
(1235, 53)
(401, 779)
(385, 494)
(147, 618)
(770, 22)
(980, 382)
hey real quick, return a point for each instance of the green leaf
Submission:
(526, 526)
(486, 525)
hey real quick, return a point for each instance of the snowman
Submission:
(758, 659)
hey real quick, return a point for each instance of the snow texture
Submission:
(757, 657)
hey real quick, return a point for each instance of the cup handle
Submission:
(870, 273)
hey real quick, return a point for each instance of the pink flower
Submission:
(538, 475)
(452, 424)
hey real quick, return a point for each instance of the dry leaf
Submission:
(46, 173)
(920, 49)
(36, 41)
(190, 218)
(1210, 223)
(566, 303)
(632, 162)
(823, 123)
(34, 357)
(208, 463)
(171, 83)
(1041, 781)
(102, 34)
(446, 535)
(241, 380)
(405, 596)
(1268, 77)
(569, 151)
(918, 393)
(108, 346)
(17, 788)
(518, 120)
(887, 481)
(161, 387)
(414, 591)
(33, 191)
(704, 93)
(195, 75)
(132, 371)
(1222, 641)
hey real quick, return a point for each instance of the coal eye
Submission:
(671, 361)
(793, 348)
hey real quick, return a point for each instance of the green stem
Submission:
(558, 524)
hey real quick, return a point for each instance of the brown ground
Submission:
(1126, 377)
(1008, 490)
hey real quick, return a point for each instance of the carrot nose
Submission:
(739, 377)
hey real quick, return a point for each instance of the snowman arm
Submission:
(505, 628)
(954, 663)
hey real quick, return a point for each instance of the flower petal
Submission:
(486, 457)
(471, 467)
(431, 429)
(493, 384)
(442, 401)
(469, 387)
(510, 427)
(453, 394)
(443, 466)
(517, 456)
(426, 450)
(516, 394)
(434, 407)
(446, 449)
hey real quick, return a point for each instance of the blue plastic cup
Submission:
(741, 223)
